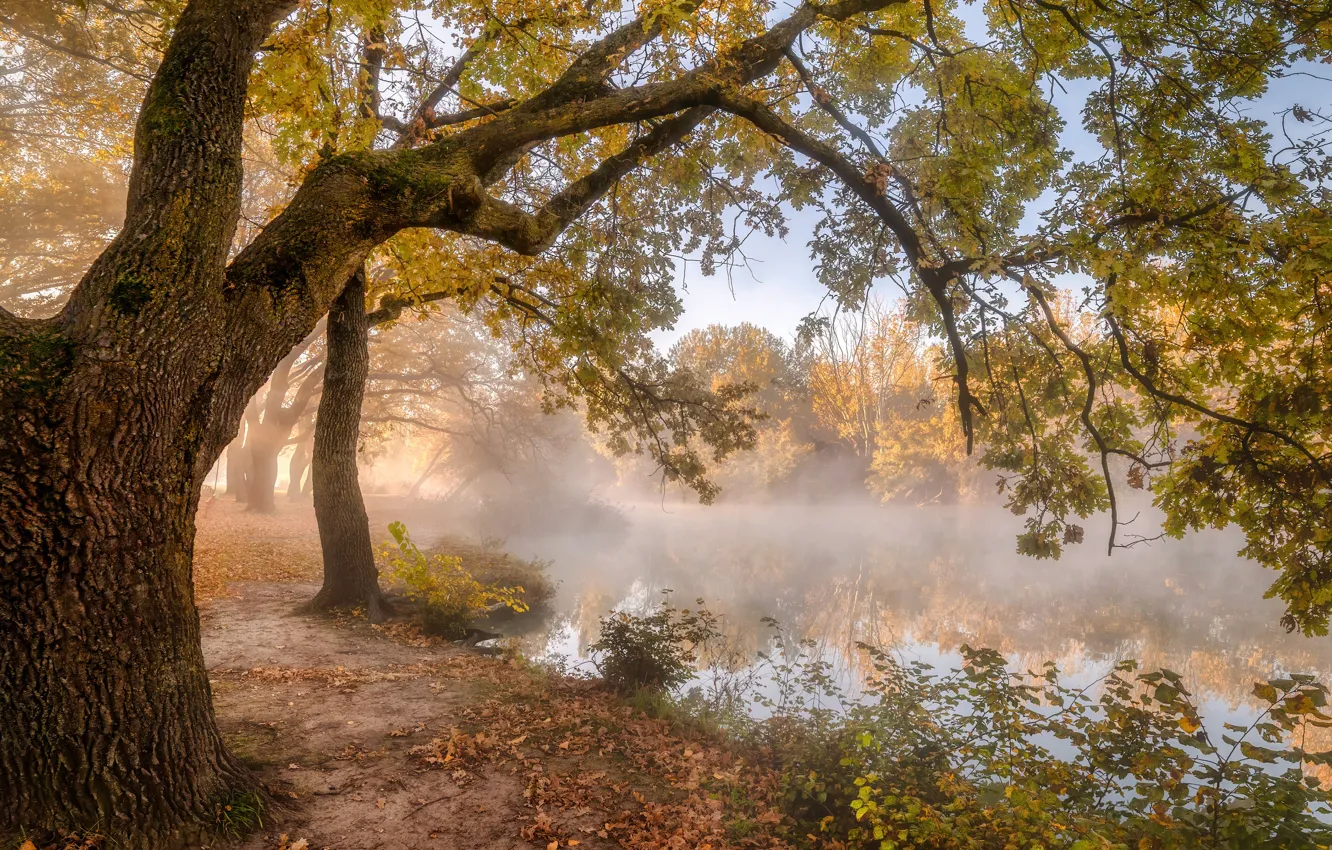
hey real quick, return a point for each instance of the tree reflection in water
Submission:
(925, 581)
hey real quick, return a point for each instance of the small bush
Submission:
(655, 652)
(489, 564)
(450, 597)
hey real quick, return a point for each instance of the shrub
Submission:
(489, 564)
(982, 757)
(449, 596)
(655, 652)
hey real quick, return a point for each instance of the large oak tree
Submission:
(1203, 371)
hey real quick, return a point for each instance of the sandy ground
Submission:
(328, 714)
(374, 737)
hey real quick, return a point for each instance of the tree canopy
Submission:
(934, 142)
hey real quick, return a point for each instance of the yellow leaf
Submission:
(554, 845)
(1189, 724)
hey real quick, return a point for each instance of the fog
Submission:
(918, 580)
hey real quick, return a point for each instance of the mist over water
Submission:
(922, 582)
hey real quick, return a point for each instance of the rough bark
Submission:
(110, 420)
(350, 576)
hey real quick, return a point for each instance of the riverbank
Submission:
(376, 737)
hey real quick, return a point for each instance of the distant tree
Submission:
(866, 364)
(274, 415)
(764, 366)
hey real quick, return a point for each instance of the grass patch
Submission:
(240, 815)
(255, 749)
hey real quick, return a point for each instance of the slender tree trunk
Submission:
(300, 461)
(235, 464)
(272, 423)
(428, 471)
(238, 460)
(350, 576)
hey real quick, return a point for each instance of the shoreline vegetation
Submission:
(477, 750)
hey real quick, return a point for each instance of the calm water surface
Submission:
(925, 581)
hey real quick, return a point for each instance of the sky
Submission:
(776, 292)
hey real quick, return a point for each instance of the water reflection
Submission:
(926, 581)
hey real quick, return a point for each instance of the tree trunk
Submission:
(261, 480)
(350, 576)
(108, 715)
(271, 423)
(111, 415)
(300, 461)
(236, 463)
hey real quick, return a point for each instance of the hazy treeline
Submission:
(448, 415)
(855, 404)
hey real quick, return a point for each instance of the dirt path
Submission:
(374, 742)
(328, 713)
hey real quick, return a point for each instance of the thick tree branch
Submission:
(766, 119)
(185, 186)
(586, 76)
(391, 306)
(292, 271)
(555, 113)
(10, 324)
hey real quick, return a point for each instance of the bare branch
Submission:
(935, 279)
(1087, 405)
(425, 117)
(1150, 386)
(824, 102)
(484, 110)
